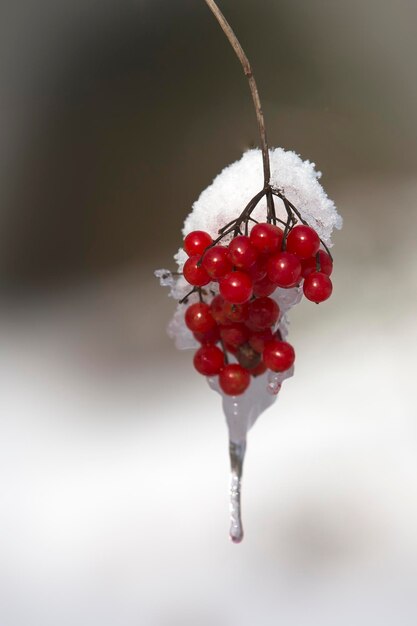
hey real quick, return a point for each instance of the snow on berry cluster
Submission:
(232, 189)
(247, 257)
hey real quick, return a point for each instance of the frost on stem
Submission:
(232, 204)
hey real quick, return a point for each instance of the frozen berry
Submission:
(236, 312)
(259, 339)
(264, 287)
(266, 238)
(234, 335)
(209, 360)
(234, 379)
(317, 287)
(198, 318)
(211, 336)
(303, 241)
(217, 308)
(196, 242)
(284, 269)
(242, 253)
(195, 273)
(262, 313)
(236, 287)
(232, 349)
(258, 269)
(216, 262)
(278, 356)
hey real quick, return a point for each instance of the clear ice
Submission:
(237, 456)
(241, 413)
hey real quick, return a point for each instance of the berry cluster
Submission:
(242, 319)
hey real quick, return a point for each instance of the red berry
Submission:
(217, 308)
(259, 369)
(209, 360)
(234, 379)
(310, 265)
(242, 253)
(211, 336)
(236, 312)
(258, 270)
(195, 273)
(232, 349)
(262, 313)
(284, 269)
(303, 241)
(277, 334)
(266, 238)
(259, 339)
(317, 287)
(198, 318)
(264, 287)
(196, 242)
(278, 356)
(236, 287)
(216, 262)
(234, 335)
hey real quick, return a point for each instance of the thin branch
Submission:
(252, 85)
(185, 298)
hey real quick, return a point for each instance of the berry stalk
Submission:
(244, 61)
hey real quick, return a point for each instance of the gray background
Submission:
(113, 117)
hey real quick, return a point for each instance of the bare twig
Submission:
(254, 91)
(184, 300)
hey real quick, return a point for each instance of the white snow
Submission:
(236, 185)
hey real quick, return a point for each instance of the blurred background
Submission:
(114, 116)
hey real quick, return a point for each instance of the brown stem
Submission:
(252, 85)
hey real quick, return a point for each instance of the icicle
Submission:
(237, 456)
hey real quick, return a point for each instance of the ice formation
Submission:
(217, 205)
